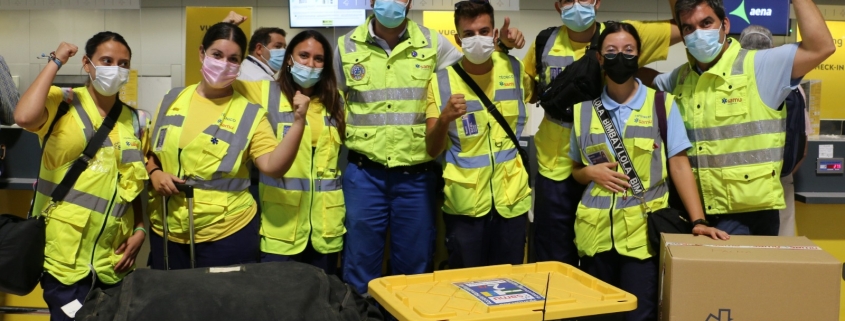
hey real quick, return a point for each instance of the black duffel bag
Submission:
(263, 291)
(667, 220)
(21, 253)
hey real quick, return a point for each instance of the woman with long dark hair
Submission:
(96, 231)
(303, 212)
(205, 135)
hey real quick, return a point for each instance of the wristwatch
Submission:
(700, 221)
(502, 46)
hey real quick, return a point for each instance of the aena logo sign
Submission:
(754, 12)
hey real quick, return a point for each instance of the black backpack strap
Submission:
(539, 49)
(81, 163)
(491, 108)
(660, 109)
(594, 43)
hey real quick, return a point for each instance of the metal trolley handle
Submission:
(188, 190)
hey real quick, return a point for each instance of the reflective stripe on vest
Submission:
(302, 184)
(734, 131)
(237, 141)
(350, 46)
(83, 199)
(501, 95)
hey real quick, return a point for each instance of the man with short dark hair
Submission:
(266, 54)
(486, 192)
(731, 100)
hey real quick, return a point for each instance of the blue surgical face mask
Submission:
(579, 17)
(390, 13)
(705, 44)
(277, 56)
(304, 76)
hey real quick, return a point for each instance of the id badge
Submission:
(598, 157)
(285, 130)
(470, 126)
(160, 141)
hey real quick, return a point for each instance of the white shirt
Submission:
(447, 54)
(253, 69)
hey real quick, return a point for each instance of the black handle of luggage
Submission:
(188, 190)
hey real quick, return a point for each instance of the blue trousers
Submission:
(378, 199)
(555, 203)
(635, 276)
(239, 248)
(765, 222)
(487, 240)
(57, 294)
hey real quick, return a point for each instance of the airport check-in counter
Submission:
(821, 177)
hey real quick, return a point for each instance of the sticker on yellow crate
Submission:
(499, 291)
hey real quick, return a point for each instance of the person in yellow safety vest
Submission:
(303, 212)
(204, 135)
(610, 224)
(486, 193)
(95, 233)
(731, 100)
(383, 68)
(556, 193)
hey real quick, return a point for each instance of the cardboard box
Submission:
(748, 278)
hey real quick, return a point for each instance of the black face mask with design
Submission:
(620, 69)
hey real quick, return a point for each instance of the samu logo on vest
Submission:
(731, 101)
(358, 72)
(423, 67)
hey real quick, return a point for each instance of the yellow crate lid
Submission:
(435, 296)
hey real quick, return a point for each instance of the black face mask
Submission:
(620, 69)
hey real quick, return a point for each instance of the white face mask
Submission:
(109, 79)
(477, 49)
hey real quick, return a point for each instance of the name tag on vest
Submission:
(470, 126)
(598, 157)
(160, 142)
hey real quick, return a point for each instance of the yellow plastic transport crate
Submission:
(572, 293)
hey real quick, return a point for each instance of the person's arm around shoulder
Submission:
(31, 112)
(656, 37)
(816, 44)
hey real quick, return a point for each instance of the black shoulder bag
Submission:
(491, 108)
(580, 81)
(22, 240)
(665, 220)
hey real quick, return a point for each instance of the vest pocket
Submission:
(636, 226)
(516, 185)
(64, 232)
(280, 213)
(209, 161)
(643, 155)
(418, 152)
(355, 68)
(334, 211)
(732, 99)
(586, 229)
(364, 137)
(750, 187)
(209, 207)
(461, 194)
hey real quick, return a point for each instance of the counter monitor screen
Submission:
(327, 13)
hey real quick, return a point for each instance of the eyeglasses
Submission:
(611, 56)
(568, 4)
(459, 4)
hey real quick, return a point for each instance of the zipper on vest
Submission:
(612, 206)
(313, 191)
(105, 219)
(493, 168)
